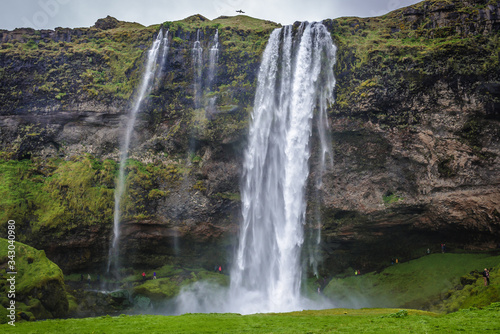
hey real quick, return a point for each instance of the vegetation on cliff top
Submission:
(79, 64)
(403, 54)
(76, 65)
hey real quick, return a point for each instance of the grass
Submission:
(325, 321)
(417, 284)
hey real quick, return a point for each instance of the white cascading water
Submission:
(295, 80)
(197, 52)
(151, 72)
(213, 57)
(212, 67)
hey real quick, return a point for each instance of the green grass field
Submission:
(421, 283)
(449, 284)
(325, 321)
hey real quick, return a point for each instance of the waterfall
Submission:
(212, 67)
(294, 86)
(295, 79)
(198, 67)
(213, 57)
(325, 96)
(163, 58)
(151, 72)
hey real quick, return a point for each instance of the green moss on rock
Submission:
(39, 282)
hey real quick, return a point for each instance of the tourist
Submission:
(220, 269)
(154, 275)
(88, 278)
(486, 277)
(428, 251)
(143, 276)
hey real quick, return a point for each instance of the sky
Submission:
(49, 14)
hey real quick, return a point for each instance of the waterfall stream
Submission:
(151, 72)
(295, 84)
(212, 69)
(197, 53)
(295, 78)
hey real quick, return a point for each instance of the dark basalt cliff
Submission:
(415, 134)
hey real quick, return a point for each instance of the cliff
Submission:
(415, 133)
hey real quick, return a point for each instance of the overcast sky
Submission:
(48, 14)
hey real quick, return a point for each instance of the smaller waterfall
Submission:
(148, 79)
(163, 58)
(212, 69)
(198, 67)
(213, 58)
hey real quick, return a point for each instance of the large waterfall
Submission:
(151, 72)
(295, 84)
(295, 79)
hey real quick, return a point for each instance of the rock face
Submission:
(415, 133)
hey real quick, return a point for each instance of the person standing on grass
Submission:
(486, 277)
(143, 276)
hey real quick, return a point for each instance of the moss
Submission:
(146, 184)
(384, 61)
(39, 282)
(158, 289)
(235, 197)
(199, 185)
(57, 193)
(390, 198)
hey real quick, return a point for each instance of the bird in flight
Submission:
(240, 11)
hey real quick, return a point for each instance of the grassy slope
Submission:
(415, 283)
(338, 321)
